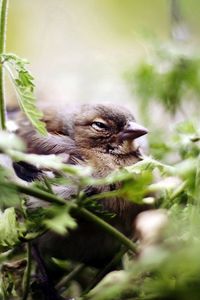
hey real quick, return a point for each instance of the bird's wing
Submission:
(57, 140)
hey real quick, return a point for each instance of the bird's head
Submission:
(107, 129)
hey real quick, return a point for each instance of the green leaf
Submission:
(59, 219)
(10, 141)
(50, 161)
(8, 194)
(137, 187)
(149, 164)
(24, 86)
(9, 229)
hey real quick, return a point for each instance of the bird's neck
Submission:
(105, 163)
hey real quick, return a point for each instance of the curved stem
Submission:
(88, 215)
(107, 227)
(3, 19)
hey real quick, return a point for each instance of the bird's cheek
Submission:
(135, 145)
(129, 146)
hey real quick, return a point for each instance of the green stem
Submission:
(3, 19)
(65, 280)
(27, 274)
(108, 268)
(107, 227)
(79, 210)
(197, 183)
(35, 192)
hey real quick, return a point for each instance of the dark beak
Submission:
(132, 131)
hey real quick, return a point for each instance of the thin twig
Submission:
(65, 280)
(3, 19)
(116, 259)
(27, 274)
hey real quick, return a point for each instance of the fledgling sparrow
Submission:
(103, 137)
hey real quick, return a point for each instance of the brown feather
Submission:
(73, 133)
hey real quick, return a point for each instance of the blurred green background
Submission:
(78, 50)
(82, 51)
(144, 54)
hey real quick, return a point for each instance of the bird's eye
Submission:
(99, 126)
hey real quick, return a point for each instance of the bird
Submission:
(102, 136)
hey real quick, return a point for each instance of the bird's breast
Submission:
(105, 163)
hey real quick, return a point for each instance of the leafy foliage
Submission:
(8, 195)
(167, 262)
(24, 86)
(159, 273)
(168, 78)
(59, 219)
(9, 229)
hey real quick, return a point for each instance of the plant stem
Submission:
(79, 210)
(35, 192)
(197, 183)
(107, 227)
(108, 268)
(65, 280)
(3, 19)
(27, 273)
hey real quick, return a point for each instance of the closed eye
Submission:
(99, 126)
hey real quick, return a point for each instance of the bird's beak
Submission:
(132, 131)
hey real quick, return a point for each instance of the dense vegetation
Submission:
(165, 264)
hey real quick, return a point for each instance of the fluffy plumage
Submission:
(101, 136)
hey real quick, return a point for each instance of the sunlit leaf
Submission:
(59, 220)
(24, 86)
(51, 161)
(10, 141)
(9, 229)
(8, 194)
